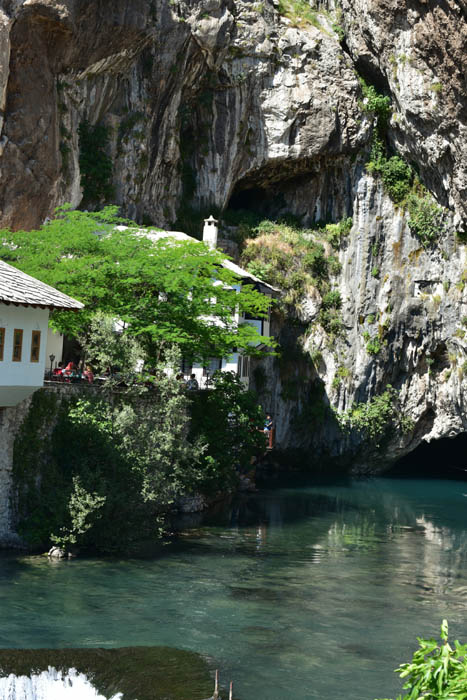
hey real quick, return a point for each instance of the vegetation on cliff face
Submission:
(375, 419)
(164, 291)
(292, 258)
(426, 219)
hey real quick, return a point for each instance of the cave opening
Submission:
(445, 458)
(254, 198)
(257, 201)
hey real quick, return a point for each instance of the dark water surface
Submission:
(314, 592)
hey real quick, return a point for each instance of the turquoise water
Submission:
(314, 592)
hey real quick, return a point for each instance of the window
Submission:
(17, 344)
(35, 346)
(213, 365)
(2, 342)
(243, 370)
(186, 365)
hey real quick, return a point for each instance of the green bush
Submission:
(437, 670)
(111, 469)
(228, 420)
(299, 13)
(397, 176)
(341, 374)
(332, 300)
(426, 219)
(337, 233)
(293, 258)
(373, 346)
(315, 262)
(374, 419)
(380, 105)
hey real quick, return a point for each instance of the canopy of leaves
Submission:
(165, 292)
(229, 421)
(116, 462)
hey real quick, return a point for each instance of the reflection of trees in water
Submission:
(411, 530)
(422, 521)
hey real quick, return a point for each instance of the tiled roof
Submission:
(20, 289)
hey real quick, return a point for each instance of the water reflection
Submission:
(272, 588)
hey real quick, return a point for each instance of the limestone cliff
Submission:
(215, 102)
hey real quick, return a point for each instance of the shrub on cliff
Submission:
(374, 419)
(292, 258)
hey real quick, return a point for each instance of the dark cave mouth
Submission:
(259, 201)
(445, 458)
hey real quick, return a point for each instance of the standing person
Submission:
(192, 383)
(268, 429)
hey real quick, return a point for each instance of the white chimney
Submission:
(210, 231)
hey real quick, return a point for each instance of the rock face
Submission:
(226, 102)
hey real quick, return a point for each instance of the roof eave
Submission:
(51, 307)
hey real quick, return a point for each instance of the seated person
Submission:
(69, 370)
(88, 374)
(58, 371)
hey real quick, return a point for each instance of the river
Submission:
(314, 592)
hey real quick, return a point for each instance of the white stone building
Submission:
(25, 304)
(236, 362)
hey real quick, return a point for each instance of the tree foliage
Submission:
(437, 670)
(230, 423)
(115, 463)
(165, 291)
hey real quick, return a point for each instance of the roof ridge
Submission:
(21, 289)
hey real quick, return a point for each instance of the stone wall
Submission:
(10, 422)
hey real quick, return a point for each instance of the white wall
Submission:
(19, 379)
(54, 347)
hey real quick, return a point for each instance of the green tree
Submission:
(120, 460)
(230, 423)
(165, 292)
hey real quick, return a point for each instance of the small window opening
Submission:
(17, 344)
(35, 346)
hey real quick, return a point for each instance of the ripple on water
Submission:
(274, 592)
